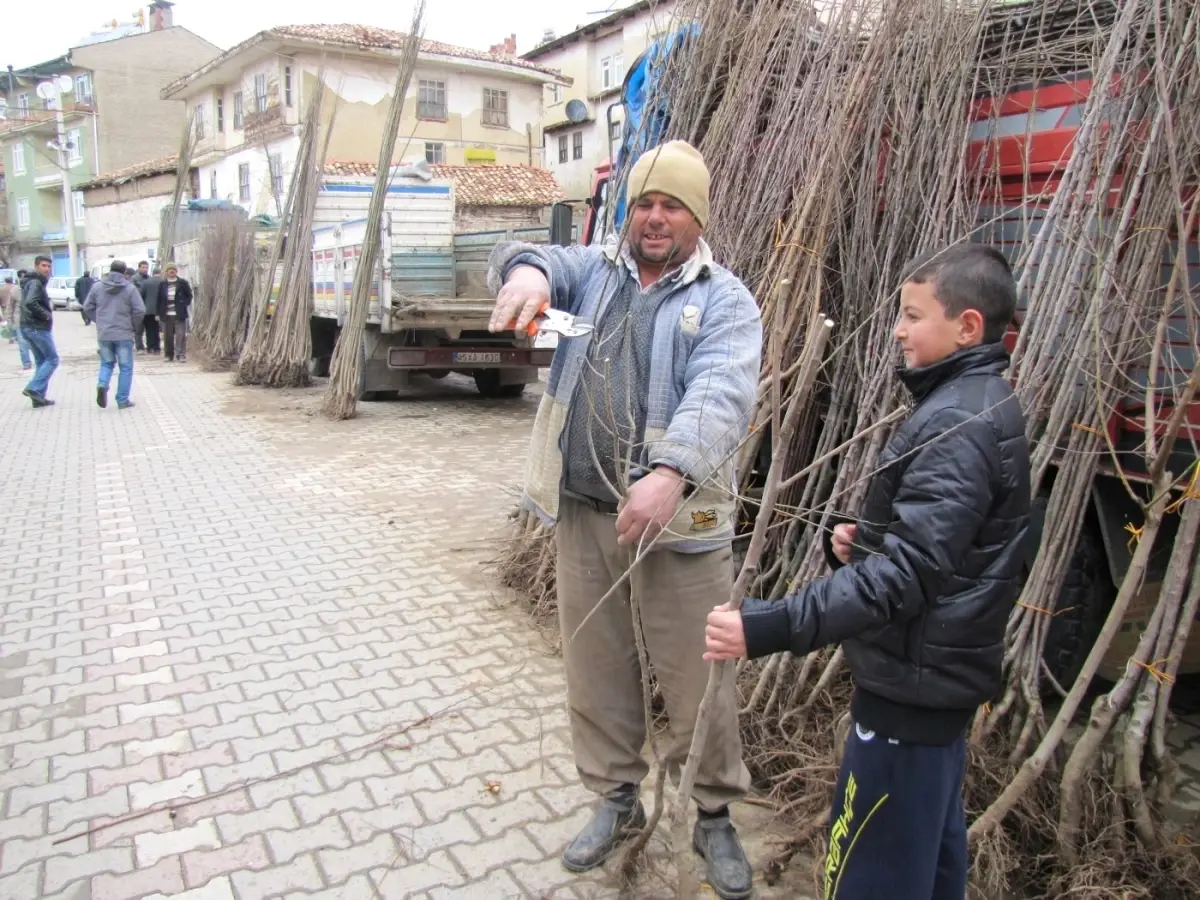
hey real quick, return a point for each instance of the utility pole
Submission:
(68, 201)
(54, 89)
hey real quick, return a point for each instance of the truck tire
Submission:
(1084, 602)
(487, 381)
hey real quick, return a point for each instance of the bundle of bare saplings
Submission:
(224, 299)
(278, 347)
(846, 138)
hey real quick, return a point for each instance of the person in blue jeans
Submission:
(23, 348)
(37, 322)
(116, 306)
(10, 311)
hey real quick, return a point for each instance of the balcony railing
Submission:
(19, 119)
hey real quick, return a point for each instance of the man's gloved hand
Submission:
(524, 294)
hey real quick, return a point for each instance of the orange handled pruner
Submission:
(551, 319)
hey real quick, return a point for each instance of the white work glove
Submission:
(523, 296)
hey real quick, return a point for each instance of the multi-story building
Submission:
(463, 106)
(96, 108)
(7, 242)
(580, 135)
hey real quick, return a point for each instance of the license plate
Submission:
(477, 357)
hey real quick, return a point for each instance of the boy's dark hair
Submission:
(37, 260)
(970, 276)
(117, 266)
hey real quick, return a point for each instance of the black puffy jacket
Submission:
(942, 541)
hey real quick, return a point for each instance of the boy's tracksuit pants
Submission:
(898, 828)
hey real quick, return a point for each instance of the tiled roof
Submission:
(129, 173)
(593, 28)
(365, 37)
(482, 185)
(368, 36)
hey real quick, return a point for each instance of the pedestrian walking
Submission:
(116, 307)
(174, 298)
(83, 284)
(10, 308)
(37, 324)
(149, 291)
(677, 345)
(138, 280)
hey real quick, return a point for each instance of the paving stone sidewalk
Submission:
(282, 627)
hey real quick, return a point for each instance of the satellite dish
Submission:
(66, 84)
(47, 90)
(577, 111)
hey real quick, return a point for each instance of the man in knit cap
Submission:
(632, 456)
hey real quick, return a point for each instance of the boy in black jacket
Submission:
(921, 591)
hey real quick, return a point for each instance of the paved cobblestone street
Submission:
(284, 627)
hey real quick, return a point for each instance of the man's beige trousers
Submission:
(604, 689)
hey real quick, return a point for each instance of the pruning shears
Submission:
(563, 323)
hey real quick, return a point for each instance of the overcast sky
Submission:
(34, 32)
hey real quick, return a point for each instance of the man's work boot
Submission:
(729, 872)
(614, 820)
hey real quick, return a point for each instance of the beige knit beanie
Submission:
(676, 169)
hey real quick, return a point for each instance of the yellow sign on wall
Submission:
(480, 155)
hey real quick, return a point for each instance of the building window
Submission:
(50, 102)
(77, 205)
(260, 93)
(22, 213)
(74, 146)
(287, 86)
(555, 94)
(198, 118)
(83, 89)
(562, 148)
(495, 107)
(23, 105)
(431, 100)
(276, 163)
(244, 183)
(238, 111)
(212, 184)
(220, 115)
(614, 132)
(612, 70)
(18, 156)
(435, 153)
(577, 145)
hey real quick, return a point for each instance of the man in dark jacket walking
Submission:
(149, 292)
(174, 299)
(83, 285)
(138, 280)
(117, 308)
(37, 320)
(921, 591)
